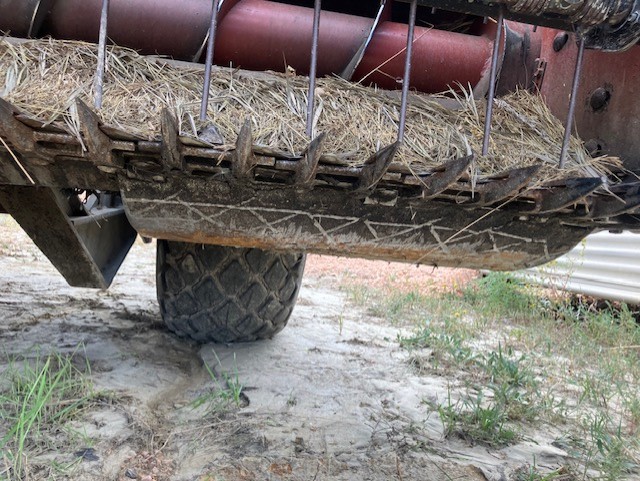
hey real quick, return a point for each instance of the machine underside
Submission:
(91, 193)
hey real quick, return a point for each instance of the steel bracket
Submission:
(86, 249)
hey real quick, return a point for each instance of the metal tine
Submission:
(492, 84)
(209, 60)
(572, 102)
(407, 71)
(313, 69)
(97, 142)
(19, 134)
(244, 161)
(609, 206)
(375, 167)
(554, 198)
(440, 181)
(102, 54)
(505, 185)
(353, 65)
(170, 153)
(307, 166)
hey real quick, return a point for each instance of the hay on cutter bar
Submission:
(44, 77)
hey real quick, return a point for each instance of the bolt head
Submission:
(599, 99)
(560, 41)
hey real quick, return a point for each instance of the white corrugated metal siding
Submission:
(603, 265)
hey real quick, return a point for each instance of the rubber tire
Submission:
(226, 294)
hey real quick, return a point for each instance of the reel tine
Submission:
(492, 84)
(209, 60)
(572, 102)
(354, 63)
(102, 54)
(313, 69)
(407, 71)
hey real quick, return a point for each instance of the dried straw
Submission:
(44, 77)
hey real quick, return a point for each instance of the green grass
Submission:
(38, 397)
(225, 391)
(476, 421)
(522, 360)
(532, 473)
(500, 295)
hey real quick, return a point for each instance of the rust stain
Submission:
(456, 257)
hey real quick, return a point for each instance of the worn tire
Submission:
(226, 294)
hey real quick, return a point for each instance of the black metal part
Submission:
(171, 157)
(620, 14)
(607, 206)
(411, 230)
(439, 181)
(96, 141)
(560, 41)
(520, 61)
(86, 249)
(17, 133)
(599, 98)
(504, 186)
(244, 160)
(376, 167)
(307, 166)
(615, 38)
(292, 195)
(562, 195)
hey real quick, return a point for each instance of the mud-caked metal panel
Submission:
(323, 221)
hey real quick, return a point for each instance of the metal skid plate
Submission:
(324, 221)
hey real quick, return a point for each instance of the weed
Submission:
(585, 366)
(498, 294)
(38, 398)
(227, 389)
(476, 421)
(531, 473)
(603, 448)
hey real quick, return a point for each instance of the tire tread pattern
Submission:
(226, 294)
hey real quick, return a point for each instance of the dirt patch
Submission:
(388, 276)
(331, 397)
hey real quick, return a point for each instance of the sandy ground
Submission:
(332, 397)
